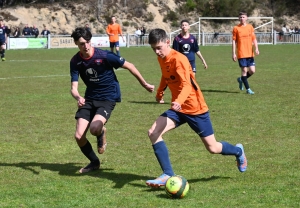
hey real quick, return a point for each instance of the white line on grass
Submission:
(45, 76)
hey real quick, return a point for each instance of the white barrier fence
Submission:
(101, 40)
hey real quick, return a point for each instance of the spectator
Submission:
(7, 30)
(143, 32)
(35, 31)
(17, 32)
(87, 27)
(45, 31)
(26, 31)
(137, 35)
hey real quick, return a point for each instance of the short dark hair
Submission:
(243, 13)
(182, 21)
(81, 32)
(157, 35)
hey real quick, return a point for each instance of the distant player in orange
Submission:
(187, 106)
(243, 39)
(113, 30)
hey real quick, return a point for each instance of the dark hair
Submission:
(243, 13)
(182, 21)
(157, 35)
(81, 32)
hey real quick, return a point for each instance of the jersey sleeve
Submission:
(253, 34)
(74, 73)
(161, 88)
(114, 60)
(119, 29)
(234, 32)
(175, 45)
(196, 46)
(184, 75)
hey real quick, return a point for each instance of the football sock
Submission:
(248, 75)
(2, 53)
(229, 149)
(245, 81)
(162, 155)
(118, 53)
(88, 151)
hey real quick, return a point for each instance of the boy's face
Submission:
(161, 49)
(243, 18)
(185, 26)
(84, 46)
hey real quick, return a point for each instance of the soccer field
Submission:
(39, 159)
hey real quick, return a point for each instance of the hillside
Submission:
(64, 17)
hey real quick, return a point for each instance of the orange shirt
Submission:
(177, 74)
(114, 29)
(244, 37)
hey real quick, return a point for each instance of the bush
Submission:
(126, 24)
(149, 17)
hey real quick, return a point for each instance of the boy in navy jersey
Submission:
(3, 36)
(187, 44)
(96, 68)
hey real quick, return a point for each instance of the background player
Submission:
(113, 30)
(187, 44)
(187, 106)
(243, 39)
(96, 69)
(3, 39)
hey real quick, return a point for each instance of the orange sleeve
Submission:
(184, 77)
(161, 89)
(119, 30)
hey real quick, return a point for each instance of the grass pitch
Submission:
(39, 159)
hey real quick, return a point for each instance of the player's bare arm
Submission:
(233, 51)
(76, 95)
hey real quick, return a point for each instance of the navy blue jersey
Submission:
(97, 73)
(2, 34)
(187, 46)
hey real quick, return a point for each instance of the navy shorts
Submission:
(92, 107)
(2, 42)
(114, 44)
(193, 65)
(201, 123)
(246, 62)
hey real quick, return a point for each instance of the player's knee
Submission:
(78, 136)
(213, 149)
(152, 134)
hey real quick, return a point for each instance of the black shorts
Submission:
(92, 107)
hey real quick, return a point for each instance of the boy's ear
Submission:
(168, 41)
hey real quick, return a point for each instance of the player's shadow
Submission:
(71, 169)
(148, 102)
(220, 91)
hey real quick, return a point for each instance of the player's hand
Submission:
(149, 87)
(205, 65)
(257, 52)
(80, 102)
(234, 57)
(176, 106)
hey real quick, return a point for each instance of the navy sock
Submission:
(229, 149)
(88, 151)
(118, 53)
(248, 75)
(2, 53)
(245, 81)
(162, 155)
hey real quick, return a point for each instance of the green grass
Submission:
(39, 159)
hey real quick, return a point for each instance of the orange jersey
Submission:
(244, 37)
(114, 29)
(177, 74)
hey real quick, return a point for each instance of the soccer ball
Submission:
(177, 187)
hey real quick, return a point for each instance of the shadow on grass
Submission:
(147, 102)
(220, 91)
(71, 169)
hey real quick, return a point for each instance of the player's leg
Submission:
(111, 45)
(161, 126)
(85, 146)
(2, 51)
(117, 45)
(202, 125)
(97, 128)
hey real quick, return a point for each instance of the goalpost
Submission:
(211, 38)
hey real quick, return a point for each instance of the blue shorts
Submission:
(201, 123)
(246, 62)
(193, 65)
(114, 44)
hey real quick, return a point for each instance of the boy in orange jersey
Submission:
(113, 30)
(243, 39)
(187, 106)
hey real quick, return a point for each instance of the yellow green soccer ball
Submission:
(177, 187)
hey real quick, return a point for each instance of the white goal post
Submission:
(206, 38)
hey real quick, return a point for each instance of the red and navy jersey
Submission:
(97, 73)
(187, 46)
(2, 34)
